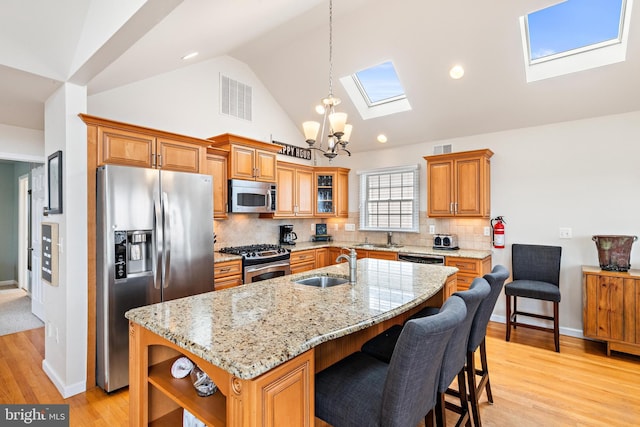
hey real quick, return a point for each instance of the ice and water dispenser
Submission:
(132, 252)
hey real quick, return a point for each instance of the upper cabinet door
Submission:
(217, 168)
(342, 196)
(179, 156)
(468, 187)
(440, 188)
(265, 164)
(304, 192)
(285, 197)
(127, 148)
(242, 162)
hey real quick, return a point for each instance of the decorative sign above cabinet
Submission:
(293, 151)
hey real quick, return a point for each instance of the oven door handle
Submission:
(265, 267)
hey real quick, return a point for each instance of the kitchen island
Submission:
(263, 342)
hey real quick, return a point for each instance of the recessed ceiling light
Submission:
(456, 72)
(190, 55)
(382, 138)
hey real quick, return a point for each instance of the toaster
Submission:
(445, 241)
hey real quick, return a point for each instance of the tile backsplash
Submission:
(245, 229)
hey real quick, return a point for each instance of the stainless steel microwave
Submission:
(251, 196)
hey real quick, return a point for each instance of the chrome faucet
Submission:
(389, 235)
(351, 259)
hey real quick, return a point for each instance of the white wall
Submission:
(186, 101)
(582, 175)
(578, 174)
(21, 144)
(66, 304)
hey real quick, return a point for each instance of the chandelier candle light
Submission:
(334, 124)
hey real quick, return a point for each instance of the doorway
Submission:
(24, 242)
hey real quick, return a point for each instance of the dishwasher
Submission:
(421, 258)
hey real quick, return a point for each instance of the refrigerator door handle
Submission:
(156, 258)
(166, 265)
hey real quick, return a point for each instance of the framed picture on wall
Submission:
(54, 189)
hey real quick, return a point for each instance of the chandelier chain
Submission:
(330, 48)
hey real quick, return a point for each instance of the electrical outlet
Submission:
(432, 229)
(487, 231)
(565, 233)
(313, 228)
(349, 227)
(335, 226)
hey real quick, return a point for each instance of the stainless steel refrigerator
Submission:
(154, 243)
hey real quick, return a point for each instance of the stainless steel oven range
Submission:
(261, 262)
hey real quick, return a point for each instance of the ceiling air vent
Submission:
(442, 149)
(235, 98)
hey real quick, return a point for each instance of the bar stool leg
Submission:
(556, 326)
(508, 337)
(485, 370)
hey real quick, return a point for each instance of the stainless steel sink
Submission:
(323, 281)
(377, 245)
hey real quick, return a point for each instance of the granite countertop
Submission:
(248, 330)
(221, 257)
(425, 250)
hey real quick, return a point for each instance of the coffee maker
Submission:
(287, 236)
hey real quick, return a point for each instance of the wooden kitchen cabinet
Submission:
(468, 269)
(302, 261)
(130, 145)
(361, 253)
(458, 184)
(248, 159)
(217, 167)
(227, 274)
(611, 308)
(322, 257)
(331, 192)
(295, 191)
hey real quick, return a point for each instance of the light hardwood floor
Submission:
(532, 385)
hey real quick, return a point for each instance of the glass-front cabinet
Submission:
(331, 188)
(324, 194)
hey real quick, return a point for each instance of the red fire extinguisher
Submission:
(498, 232)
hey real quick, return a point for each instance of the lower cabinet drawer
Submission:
(464, 281)
(227, 282)
(303, 266)
(303, 256)
(227, 268)
(465, 265)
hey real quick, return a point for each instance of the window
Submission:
(389, 199)
(376, 91)
(379, 84)
(574, 35)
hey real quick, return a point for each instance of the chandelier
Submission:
(334, 128)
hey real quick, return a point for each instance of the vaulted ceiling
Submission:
(102, 44)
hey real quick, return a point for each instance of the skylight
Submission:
(575, 35)
(379, 83)
(376, 91)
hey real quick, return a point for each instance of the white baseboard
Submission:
(64, 390)
(8, 282)
(571, 332)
